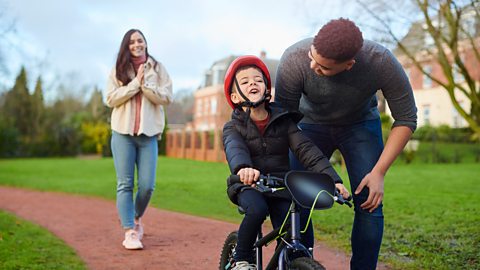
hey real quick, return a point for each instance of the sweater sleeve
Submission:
(158, 86)
(288, 82)
(236, 150)
(309, 154)
(118, 94)
(398, 92)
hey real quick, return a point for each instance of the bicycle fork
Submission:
(258, 253)
(295, 245)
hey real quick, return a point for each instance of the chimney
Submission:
(263, 54)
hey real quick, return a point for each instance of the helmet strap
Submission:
(247, 103)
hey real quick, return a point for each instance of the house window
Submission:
(469, 21)
(217, 71)
(208, 78)
(428, 39)
(457, 118)
(457, 74)
(457, 121)
(213, 105)
(426, 114)
(427, 81)
(199, 107)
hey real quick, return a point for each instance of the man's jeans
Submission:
(361, 145)
(128, 152)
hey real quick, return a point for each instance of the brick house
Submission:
(433, 102)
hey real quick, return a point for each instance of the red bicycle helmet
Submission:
(242, 61)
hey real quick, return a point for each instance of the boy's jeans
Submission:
(257, 207)
(361, 145)
(129, 151)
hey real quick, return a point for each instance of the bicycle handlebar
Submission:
(269, 183)
(265, 183)
(340, 200)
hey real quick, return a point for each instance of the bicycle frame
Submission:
(280, 257)
(308, 190)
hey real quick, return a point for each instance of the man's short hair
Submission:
(339, 40)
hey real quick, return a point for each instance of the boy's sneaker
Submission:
(131, 240)
(244, 265)
(139, 229)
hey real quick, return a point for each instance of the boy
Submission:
(257, 140)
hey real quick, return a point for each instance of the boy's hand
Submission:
(249, 176)
(343, 190)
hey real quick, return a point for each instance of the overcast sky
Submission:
(77, 41)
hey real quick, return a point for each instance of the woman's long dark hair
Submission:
(124, 57)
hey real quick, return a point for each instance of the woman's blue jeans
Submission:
(130, 152)
(361, 145)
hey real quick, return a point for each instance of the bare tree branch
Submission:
(447, 25)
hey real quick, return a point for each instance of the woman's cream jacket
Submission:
(157, 92)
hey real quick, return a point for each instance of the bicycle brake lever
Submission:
(340, 200)
(262, 188)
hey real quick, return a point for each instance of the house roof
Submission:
(418, 38)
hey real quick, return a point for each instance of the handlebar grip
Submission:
(349, 204)
(341, 200)
(233, 179)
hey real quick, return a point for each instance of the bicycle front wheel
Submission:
(226, 257)
(305, 263)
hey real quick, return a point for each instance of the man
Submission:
(332, 79)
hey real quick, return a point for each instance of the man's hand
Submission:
(374, 182)
(249, 176)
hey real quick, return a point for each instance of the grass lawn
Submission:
(431, 212)
(27, 246)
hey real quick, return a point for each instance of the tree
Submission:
(7, 26)
(95, 137)
(17, 108)
(180, 111)
(442, 31)
(95, 128)
(97, 108)
(38, 108)
(9, 142)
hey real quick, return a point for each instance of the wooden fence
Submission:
(196, 145)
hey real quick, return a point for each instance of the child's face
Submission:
(251, 84)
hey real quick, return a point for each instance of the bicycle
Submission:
(309, 190)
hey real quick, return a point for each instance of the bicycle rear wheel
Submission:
(305, 263)
(226, 257)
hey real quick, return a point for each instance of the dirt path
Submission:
(172, 240)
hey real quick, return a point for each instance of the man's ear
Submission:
(350, 64)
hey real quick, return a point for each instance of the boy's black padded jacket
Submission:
(246, 147)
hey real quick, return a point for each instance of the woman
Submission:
(138, 88)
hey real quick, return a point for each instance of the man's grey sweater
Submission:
(349, 96)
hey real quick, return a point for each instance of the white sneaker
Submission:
(131, 240)
(139, 229)
(244, 265)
